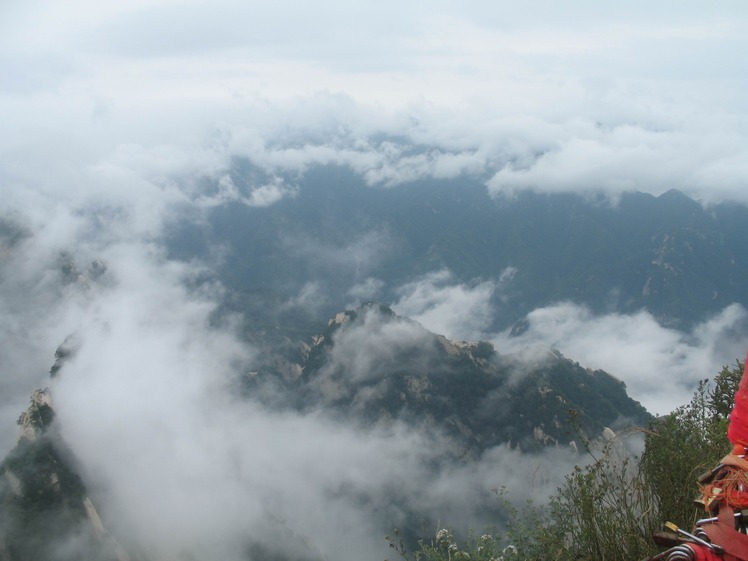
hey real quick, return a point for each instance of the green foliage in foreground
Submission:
(477, 548)
(608, 509)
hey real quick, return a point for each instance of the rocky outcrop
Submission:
(45, 510)
(372, 366)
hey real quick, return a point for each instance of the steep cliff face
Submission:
(45, 511)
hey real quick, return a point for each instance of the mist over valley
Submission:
(276, 280)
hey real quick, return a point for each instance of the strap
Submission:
(735, 461)
(723, 533)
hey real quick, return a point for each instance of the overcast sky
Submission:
(546, 95)
(111, 114)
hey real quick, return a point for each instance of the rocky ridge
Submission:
(371, 366)
(45, 509)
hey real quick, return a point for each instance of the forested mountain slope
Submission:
(668, 254)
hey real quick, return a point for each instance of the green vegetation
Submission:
(609, 508)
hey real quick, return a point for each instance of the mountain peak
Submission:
(374, 370)
(675, 196)
(45, 503)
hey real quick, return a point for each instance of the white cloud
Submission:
(271, 193)
(311, 296)
(361, 349)
(455, 310)
(485, 88)
(178, 464)
(356, 257)
(259, 195)
(660, 366)
(366, 291)
(117, 115)
(625, 158)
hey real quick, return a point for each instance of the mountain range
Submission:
(670, 255)
(315, 276)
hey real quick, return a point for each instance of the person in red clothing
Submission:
(722, 534)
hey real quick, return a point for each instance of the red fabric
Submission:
(737, 431)
(705, 554)
(724, 534)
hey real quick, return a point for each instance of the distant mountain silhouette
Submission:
(666, 254)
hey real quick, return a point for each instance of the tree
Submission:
(691, 440)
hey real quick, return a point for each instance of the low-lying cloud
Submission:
(226, 192)
(107, 139)
(354, 258)
(175, 461)
(180, 464)
(590, 157)
(611, 101)
(447, 307)
(661, 366)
